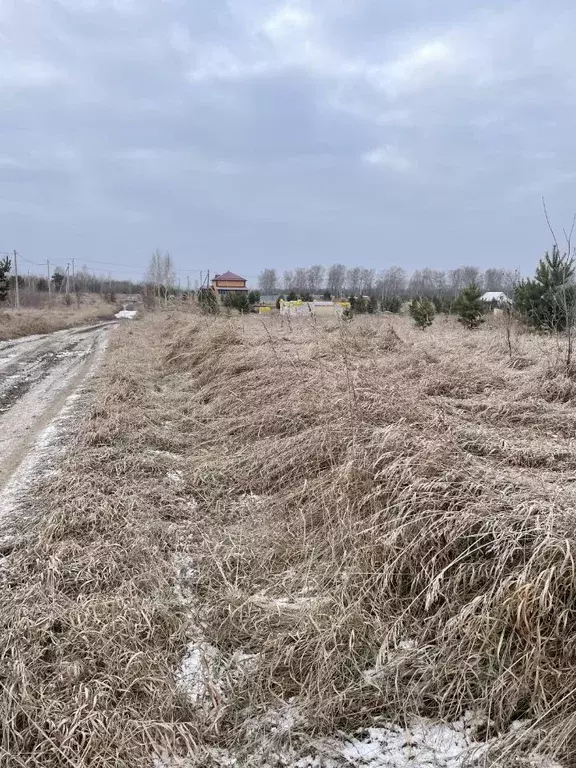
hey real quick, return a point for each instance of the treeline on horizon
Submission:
(339, 280)
(82, 282)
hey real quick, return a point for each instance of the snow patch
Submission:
(126, 314)
(198, 674)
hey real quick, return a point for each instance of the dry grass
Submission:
(364, 485)
(340, 490)
(26, 322)
(90, 625)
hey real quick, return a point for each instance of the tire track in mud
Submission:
(42, 386)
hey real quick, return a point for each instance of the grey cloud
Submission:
(246, 133)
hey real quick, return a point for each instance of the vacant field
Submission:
(27, 321)
(334, 526)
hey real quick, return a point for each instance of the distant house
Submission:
(496, 298)
(229, 283)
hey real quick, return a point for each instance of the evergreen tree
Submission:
(422, 312)
(326, 296)
(208, 301)
(391, 304)
(469, 307)
(57, 279)
(292, 296)
(307, 297)
(547, 302)
(372, 305)
(278, 300)
(254, 297)
(360, 305)
(5, 267)
(237, 301)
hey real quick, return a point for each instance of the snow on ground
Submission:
(126, 314)
(279, 739)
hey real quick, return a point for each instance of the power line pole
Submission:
(73, 277)
(17, 287)
(67, 278)
(49, 280)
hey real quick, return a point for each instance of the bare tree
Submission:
(161, 273)
(336, 279)
(168, 274)
(462, 276)
(367, 281)
(268, 282)
(301, 280)
(154, 273)
(289, 281)
(416, 283)
(354, 280)
(392, 282)
(315, 278)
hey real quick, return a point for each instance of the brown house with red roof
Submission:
(229, 283)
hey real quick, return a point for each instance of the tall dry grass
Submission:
(379, 520)
(385, 519)
(90, 625)
(29, 321)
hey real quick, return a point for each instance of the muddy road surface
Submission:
(42, 380)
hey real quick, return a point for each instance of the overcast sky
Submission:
(241, 134)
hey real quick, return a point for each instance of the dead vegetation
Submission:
(379, 520)
(362, 487)
(27, 322)
(90, 626)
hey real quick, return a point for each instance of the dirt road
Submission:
(41, 380)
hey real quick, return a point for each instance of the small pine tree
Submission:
(546, 302)
(469, 307)
(391, 304)
(422, 312)
(208, 301)
(57, 279)
(5, 267)
(361, 306)
(237, 301)
(278, 300)
(307, 297)
(292, 296)
(372, 305)
(326, 296)
(254, 297)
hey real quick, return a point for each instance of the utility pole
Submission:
(73, 277)
(49, 280)
(67, 278)
(17, 287)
